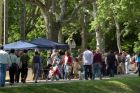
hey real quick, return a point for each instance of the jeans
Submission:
(36, 71)
(67, 71)
(88, 71)
(2, 74)
(96, 70)
(111, 68)
(60, 71)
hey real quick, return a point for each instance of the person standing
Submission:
(57, 65)
(24, 70)
(36, 65)
(81, 67)
(76, 68)
(138, 64)
(87, 62)
(48, 65)
(111, 62)
(67, 65)
(121, 64)
(19, 65)
(133, 62)
(127, 63)
(4, 61)
(13, 66)
(97, 64)
(123, 57)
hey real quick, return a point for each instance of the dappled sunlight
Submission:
(58, 91)
(121, 85)
(114, 86)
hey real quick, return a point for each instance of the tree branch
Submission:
(38, 3)
(75, 10)
(32, 19)
(63, 9)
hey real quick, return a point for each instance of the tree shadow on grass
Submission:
(122, 85)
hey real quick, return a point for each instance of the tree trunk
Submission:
(56, 27)
(97, 30)
(52, 27)
(22, 22)
(6, 21)
(98, 39)
(54, 13)
(1, 22)
(60, 37)
(83, 32)
(118, 34)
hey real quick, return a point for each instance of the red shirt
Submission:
(97, 58)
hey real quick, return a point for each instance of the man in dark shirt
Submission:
(111, 63)
(24, 70)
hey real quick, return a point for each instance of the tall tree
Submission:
(97, 28)
(83, 22)
(1, 21)
(17, 16)
(116, 13)
(23, 19)
(55, 12)
(6, 18)
(4, 21)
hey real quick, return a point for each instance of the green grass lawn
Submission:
(114, 85)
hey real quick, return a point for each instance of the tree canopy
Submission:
(88, 22)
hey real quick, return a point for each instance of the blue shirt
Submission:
(36, 59)
(138, 59)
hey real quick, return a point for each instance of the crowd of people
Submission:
(16, 62)
(86, 65)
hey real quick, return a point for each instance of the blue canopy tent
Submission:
(45, 43)
(19, 45)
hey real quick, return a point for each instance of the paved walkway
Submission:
(45, 82)
(40, 82)
(31, 82)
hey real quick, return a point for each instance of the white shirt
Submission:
(4, 57)
(127, 58)
(13, 58)
(87, 57)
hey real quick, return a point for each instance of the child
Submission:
(54, 73)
